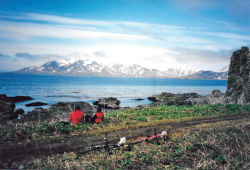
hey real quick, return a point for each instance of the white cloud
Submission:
(71, 28)
(43, 30)
(226, 35)
(65, 20)
(150, 45)
(150, 57)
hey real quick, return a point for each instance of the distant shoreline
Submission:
(12, 73)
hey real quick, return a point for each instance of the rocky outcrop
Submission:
(216, 97)
(139, 99)
(146, 106)
(108, 103)
(20, 98)
(173, 99)
(238, 87)
(16, 113)
(36, 104)
(6, 108)
(58, 111)
(186, 99)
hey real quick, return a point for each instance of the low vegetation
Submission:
(115, 121)
(212, 146)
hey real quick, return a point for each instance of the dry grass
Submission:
(221, 145)
(115, 121)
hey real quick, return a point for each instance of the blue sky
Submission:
(162, 34)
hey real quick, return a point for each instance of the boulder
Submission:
(16, 113)
(216, 97)
(113, 106)
(238, 82)
(238, 87)
(146, 106)
(238, 77)
(173, 99)
(6, 108)
(58, 111)
(108, 103)
(36, 104)
(20, 98)
(139, 99)
(217, 94)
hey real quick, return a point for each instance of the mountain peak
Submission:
(66, 62)
(89, 67)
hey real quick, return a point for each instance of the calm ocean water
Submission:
(53, 89)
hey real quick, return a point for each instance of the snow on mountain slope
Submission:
(66, 62)
(178, 72)
(92, 68)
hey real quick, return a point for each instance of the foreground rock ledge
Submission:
(7, 109)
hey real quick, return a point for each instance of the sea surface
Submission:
(53, 89)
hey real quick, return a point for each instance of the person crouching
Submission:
(77, 116)
(99, 115)
(95, 118)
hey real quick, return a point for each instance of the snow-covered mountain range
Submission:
(92, 68)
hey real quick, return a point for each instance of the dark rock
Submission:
(238, 77)
(3, 97)
(144, 106)
(108, 103)
(36, 104)
(186, 99)
(6, 108)
(113, 106)
(217, 93)
(237, 90)
(216, 97)
(20, 98)
(16, 113)
(127, 107)
(58, 111)
(66, 96)
(238, 82)
(172, 99)
(139, 99)
(19, 111)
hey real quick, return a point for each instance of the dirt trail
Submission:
(75, 144)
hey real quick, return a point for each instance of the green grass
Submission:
(117, 120)
(210, 148)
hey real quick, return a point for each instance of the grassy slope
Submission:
(114, 121)
(190, 150)
(209, 146)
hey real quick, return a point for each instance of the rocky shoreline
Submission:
(61, 110)
(237, 92)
